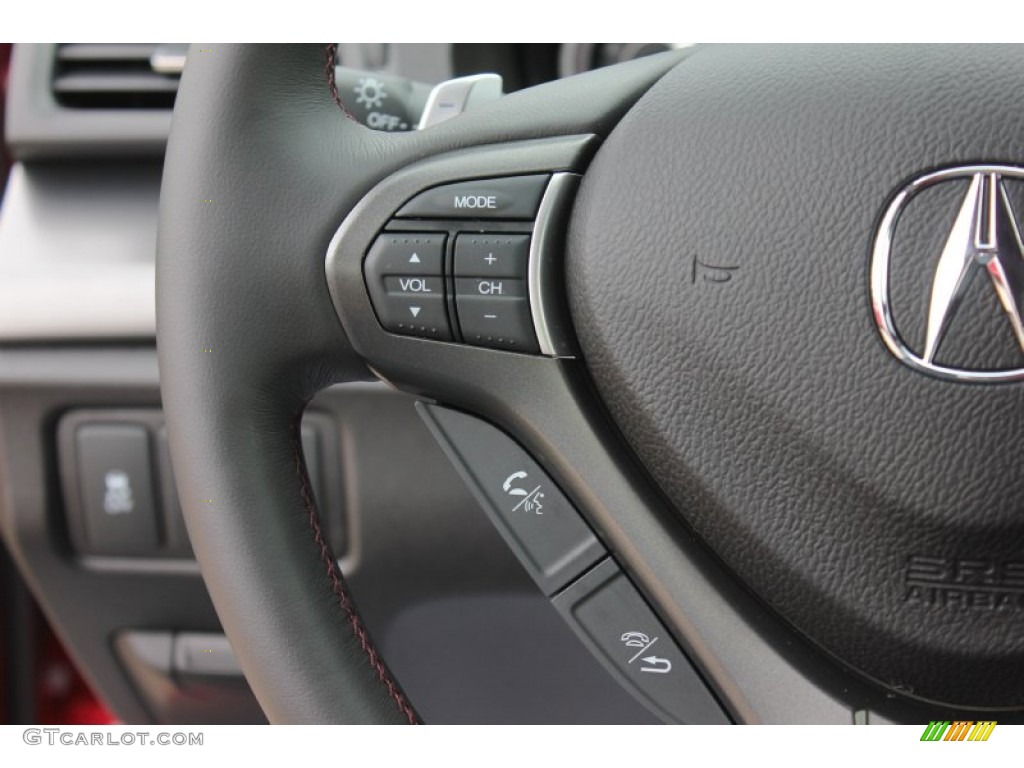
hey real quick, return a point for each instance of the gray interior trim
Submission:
(77, 247)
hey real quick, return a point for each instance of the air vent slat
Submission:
(91, 53)
(86, 82)
(113, 76)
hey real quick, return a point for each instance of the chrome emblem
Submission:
(985, 238)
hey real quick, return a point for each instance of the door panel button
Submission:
(501, 322)
(116, 485)
(538, 522)
(514, 197)
(618, 627)
(492, 255)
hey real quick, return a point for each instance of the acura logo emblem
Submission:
(983, 243)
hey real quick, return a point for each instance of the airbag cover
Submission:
(718, 276)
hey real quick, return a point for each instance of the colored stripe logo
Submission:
(959, 730)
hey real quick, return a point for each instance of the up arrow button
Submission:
(406, 253)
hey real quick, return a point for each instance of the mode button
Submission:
(514, 197)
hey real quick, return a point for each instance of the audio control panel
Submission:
(460, 263)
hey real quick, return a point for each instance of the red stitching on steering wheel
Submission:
(331, 52)
(337, 580)
(340, 591)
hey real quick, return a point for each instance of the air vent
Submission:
(117, 76)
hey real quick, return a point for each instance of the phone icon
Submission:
(635, 640)
(530, 501)
(507, 485)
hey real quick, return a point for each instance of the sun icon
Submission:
(370, 92)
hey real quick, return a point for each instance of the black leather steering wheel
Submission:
(820, 526)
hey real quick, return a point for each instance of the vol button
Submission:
(403, 274)
(410, 284)
(414, 314)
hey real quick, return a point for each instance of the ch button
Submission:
(495, 313)
(490, 291)
(492, 255)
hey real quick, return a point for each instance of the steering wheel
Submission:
(724, 314)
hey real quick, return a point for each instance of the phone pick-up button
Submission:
(538, 522)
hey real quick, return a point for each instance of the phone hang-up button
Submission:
(620, 629)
